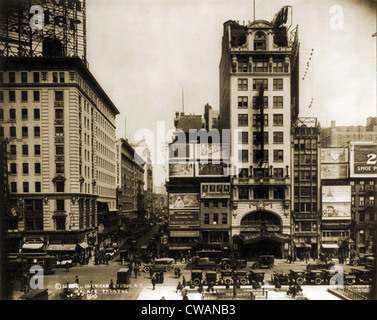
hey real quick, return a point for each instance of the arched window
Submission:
(259, 41)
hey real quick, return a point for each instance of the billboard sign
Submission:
(211, 169)
(215, 190)
(363, 160)
(183, 218)
(183, 201)
(336, 202)
(334, 171)
(334, 155)
(212, 151)
(181, 169)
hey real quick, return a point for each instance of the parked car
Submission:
(207, 263)
(211, 277)
(238, 264)
(264, 261)
(280, 277)
(320, 265)
(299, 276)
(361, 260)
(162, 264)
(315, 277)
(256, 275)
(226, 277)
(242, 276)
(363, 275)
(196, 277)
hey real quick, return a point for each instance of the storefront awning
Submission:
(184, 234)
(33, 246)
(84, 245)
(62, 247)
(330, 246)
(302, 245)
(180, 248)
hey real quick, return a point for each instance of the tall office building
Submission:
(258, 103)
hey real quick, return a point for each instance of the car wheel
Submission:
(147, 269)
(333, 281)
(350, 281)
(227, 266)
(355, 263)
(318, 281)
(255, 266)
(299, 280)
(227, 281)
(218, 270)
(243, 281)
(168, 269)
(196, 281)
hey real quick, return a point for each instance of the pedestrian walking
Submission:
(91, 286)
(154, 282)
(183, 281)
(179, 272)
(150, 273)
(77, 280)
(67, 266)
(161, 277)
(111, 285)
(179, 287)
(135, 271)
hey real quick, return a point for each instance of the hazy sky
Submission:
(143, 52)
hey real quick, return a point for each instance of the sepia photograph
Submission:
(203, 150)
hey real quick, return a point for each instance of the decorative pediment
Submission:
(58, 178)
(260, 24)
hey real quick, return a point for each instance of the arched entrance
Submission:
(261, 233)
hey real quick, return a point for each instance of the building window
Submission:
(60, 223)
(36, 96)
(24, 77)
(257, 157)
(24, 95)
(243, 193)
(277, 66)
(243, 102)
(372, 216)
(37, 114)
(60, 186)
(25, 150)
(261, 193)
(362, 217)
(206, 218)
(26, 186)
(37, 150)
(371, 185)
(361, 202)
(35, 76)
(37, 168)
(259, 41)
(278, 172)
(362, 186)
(1, 114)
(215, 218)
(37, 186)
(1, 77)
(243, 173)
(257, 118)
(256, 102)
(12, 114)
(25, 132)
(59, 150)
(371, 201)
(61, 77)
(242, 84)
(278, 102)
(243, 155)
(59, 114)
(60, 205)
(13, 187)
(260, 66)
(13, 168)
(59, 96)
(352, 183)
(278, 120)
(37, 132)
(278, 155)
(12, 77)
(24, 114)
(257, 83)
(278, 137)
(242, 66)
(59, 131)
(12, 132)
(12, 96)
(278, 193)
(34, 214)
(25, 168)
(243, 137)
(224, 218)
(243, 120)
(60, 168)
(277, 84)
(55, 77)
(257, 138)
(13, 150)
(1, 132)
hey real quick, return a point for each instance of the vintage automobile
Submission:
(361, 260)
(242, 276)
(257, 276)
(238, 264)
(162, 264)
(299, 276)
(320, 265)
(123, 277)
(226, 277)
(211, 277)
(315, 277)
(111, 252)
(196, 277)
(332, 277)
(264, 261)
(64, 261)
(279, 277)
(363, 275)
(206, 263)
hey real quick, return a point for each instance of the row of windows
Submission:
(34, 77)
(261, 66)
(361, 201)
(243, 102)
(261, 173)
(277, 120)
(24, 131)
(214, 218)
(24, 96)
(25, 150)
(25, 187)
(243, 137)
(243, 84)
(362, 186)
(260, 193)
(243, 156)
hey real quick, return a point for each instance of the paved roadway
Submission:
(141, 287)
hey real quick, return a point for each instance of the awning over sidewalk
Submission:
(33, 246)
(84, 245)
(62, 247)
(330, 246)
(303, 245)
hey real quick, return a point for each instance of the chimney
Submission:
(333, 123)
